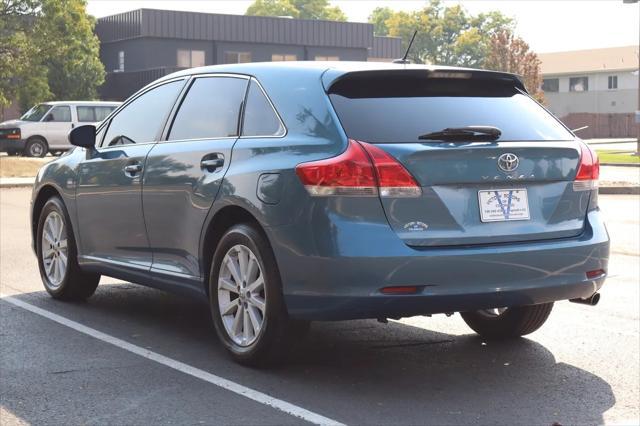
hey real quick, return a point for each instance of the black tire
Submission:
(75, 283)
(277, 332)
(513, 322)
(12, 153)
(36, 147)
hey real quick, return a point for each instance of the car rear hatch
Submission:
(475, 188)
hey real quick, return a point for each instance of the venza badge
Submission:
(508, 162)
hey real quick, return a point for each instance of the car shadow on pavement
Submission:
(364, 372)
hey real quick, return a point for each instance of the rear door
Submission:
(518, 187)
(184, 172)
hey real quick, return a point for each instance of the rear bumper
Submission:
(11, 145)
(345, 282)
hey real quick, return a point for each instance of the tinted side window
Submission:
(140, 121)
(60, 113)
(259, 117)
(211, 109)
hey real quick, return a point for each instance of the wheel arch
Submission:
(44, 194)
(221, 221)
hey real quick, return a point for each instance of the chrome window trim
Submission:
(199, 139)
(275, 111)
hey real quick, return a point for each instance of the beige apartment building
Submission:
(596, 88)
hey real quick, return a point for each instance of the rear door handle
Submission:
(132, 169)
(211, 164)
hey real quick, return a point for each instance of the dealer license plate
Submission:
(503, 204)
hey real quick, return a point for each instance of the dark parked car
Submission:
(284, 193)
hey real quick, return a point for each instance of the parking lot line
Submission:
(236, 388)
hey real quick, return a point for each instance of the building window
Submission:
(278, 57)
(612, 83)
(237, 57)
(120, 61)
(579, 84)
(327, 58)
(190, 58)
(551, 85)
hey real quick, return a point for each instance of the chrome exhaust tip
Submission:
(591, 300)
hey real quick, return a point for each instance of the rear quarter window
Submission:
(260, 119)
(387, 110)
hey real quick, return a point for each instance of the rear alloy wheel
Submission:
(505, 323)
(56, 249)
(241, 295)
(36, 147)
(246, 299)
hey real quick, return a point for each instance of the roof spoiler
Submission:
(331, 77)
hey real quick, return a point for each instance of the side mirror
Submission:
(84, 136)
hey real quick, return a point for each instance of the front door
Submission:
(109, 194)
(185, 172)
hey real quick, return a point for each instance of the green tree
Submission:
(446, 35)
(302, 9)
(48, 51)
(512, 54)
(17, 53)
(378, 18)
(272, 8)
(71, 50)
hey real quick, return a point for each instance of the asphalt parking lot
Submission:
(132, 355)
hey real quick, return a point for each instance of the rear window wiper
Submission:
(475, 133)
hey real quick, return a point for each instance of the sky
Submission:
(547, 25)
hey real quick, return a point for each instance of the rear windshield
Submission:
(391, 109)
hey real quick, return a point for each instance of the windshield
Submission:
(403, 111)
(36, 113)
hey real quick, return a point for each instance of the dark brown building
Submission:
(140, 46)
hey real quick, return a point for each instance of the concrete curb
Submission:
(619, 190)
(620, 164)
(15, 185)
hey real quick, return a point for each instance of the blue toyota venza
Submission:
(285, 193)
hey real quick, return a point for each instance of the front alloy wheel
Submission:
(241, 295)
(57, 255)
(54, 249)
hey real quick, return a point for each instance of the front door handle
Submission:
(132, 169)
(211, 164)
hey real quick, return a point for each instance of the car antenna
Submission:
(404, 59)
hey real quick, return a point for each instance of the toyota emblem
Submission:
(508, 162)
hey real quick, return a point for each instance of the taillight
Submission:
(350, 173)
(362, 170)
(588, 169)
(393, 179)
